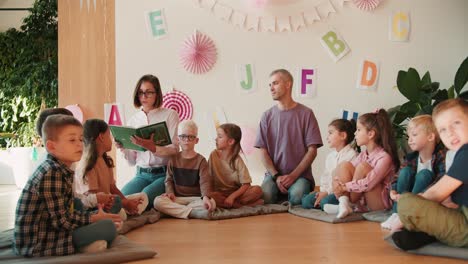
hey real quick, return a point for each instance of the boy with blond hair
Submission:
(46, 223)
(421, 167)
(188, 182)
(441, 212)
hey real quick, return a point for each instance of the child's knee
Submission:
(362, 169)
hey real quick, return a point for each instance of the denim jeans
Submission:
(271, 192)
(150, 183)
(100, 230)
(414, 183)
(308, 200)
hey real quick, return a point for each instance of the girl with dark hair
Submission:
(340, 138)
(94, 172)
(366, 181)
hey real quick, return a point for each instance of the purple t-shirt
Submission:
(286, 135)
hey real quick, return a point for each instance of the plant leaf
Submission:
(461, 77)
(409, 84)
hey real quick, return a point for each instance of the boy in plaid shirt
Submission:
(46, 223)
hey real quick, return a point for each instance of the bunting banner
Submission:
(262, 17)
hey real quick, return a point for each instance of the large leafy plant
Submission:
(28, 73)
(423, 95)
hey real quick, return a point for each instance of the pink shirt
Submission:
(381, 173)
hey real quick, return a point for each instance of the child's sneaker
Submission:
(96, 246)
(387, 224)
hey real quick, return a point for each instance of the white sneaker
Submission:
(387, 224)
(96, 246)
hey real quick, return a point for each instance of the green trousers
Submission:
(450, 226)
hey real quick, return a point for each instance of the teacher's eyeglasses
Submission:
(187, 137)
(146, 94)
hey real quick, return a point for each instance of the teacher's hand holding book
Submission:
(146, 143)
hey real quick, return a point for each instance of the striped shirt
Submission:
(188, 177)
(44, 218)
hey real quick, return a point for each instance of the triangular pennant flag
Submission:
(209, 4)
(284, 24)
(325, 8)
(251, 22)
(341, 2)
(238, 19)
(222, 11)
(311, 16)
(268, 24)
(297, 22)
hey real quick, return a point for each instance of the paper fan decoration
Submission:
(367, 5)
(179, 102)
(198, 53)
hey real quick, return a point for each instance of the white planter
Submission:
(23, 163)
(6, 171)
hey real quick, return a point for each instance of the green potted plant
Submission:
(423, 95)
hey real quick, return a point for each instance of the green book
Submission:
(123, 134)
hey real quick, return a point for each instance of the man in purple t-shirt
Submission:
(288, 139)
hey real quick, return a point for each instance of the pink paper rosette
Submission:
(367, 5)
(179, 102)
(198, 53)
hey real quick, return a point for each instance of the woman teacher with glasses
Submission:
(151, 164)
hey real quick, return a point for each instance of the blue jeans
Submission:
(100, 230)
(271, 192)
(115, 209)
(414, 183)
(150, 183)
(308, 200)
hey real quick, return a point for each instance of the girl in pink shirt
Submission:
(366, 180)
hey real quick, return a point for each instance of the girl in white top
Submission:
(340, 138)
(151, 164)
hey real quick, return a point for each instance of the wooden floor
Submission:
(279, 238)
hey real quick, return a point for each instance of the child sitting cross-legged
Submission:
(46, 223)
(188, 182)
(94, 173)
(232, 179)
(421, 167)
(441, 212)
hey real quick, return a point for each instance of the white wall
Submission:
(438, 43)
(13, 19)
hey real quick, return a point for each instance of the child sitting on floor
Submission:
(340, 138)
(232, 180)
(94, 171)
(422, 166)
(441, 212)
(366, 180)
(46, 223)
(188, 182)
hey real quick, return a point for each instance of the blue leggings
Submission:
(308, 200)
(149, 183)
(414, 183)
(115, 209)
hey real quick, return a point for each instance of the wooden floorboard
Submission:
(279, 238)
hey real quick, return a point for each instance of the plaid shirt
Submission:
(44, 221)
(437, 160)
